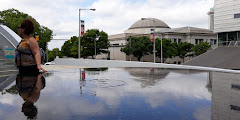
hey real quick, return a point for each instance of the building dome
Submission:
(149, 23)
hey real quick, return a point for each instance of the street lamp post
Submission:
(130, 48)
(154, 48)
(153, 32)
(161, 50)
(95, 46)
(129, 39)
(79, 39)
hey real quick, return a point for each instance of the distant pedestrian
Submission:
(28, 58)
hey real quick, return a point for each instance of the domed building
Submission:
(143, 27)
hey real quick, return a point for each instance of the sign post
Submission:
(82, 28)
(9, 53)
(153, 40)
(152, 37)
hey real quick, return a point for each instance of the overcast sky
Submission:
(111, 16)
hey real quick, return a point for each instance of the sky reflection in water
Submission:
(118, 93)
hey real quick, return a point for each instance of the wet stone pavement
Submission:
(122, 93)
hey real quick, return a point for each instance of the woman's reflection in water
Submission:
(29, 87)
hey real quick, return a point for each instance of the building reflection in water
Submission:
(146, 76)
(29, 87)
(151, 77)
(225, 89)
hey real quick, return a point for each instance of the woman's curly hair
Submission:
(28, 26)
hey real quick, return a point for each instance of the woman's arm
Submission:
(35, 51)
(36, 91)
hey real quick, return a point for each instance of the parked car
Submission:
(50, 63)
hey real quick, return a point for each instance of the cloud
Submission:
(9, 99)
(110, 16)
(116, 16)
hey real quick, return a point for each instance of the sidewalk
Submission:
(92, 63)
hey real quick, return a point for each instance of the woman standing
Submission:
(28, 58)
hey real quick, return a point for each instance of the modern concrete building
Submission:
(225, 89)
(8, 42)
(143, 28)
(227, 22)
(227, 26)
(8, 39)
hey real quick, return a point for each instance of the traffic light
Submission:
(70, 40)
(81, 47)
(37, 37)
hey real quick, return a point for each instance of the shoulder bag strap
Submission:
(19, 55)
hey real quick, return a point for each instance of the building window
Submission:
(179, 40)
(174, 40)
(222, 39)
(232, 36)
(115, 44)
(213, 42)
(236, 87)
(197, 41)
(235, 108)
(238, 35)
(237, 15)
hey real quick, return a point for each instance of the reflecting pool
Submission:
(124, 94)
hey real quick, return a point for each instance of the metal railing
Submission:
(229, 43)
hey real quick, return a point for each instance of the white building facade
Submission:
(162, 30)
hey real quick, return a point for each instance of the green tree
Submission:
(12, 90)
(70, 49)
(201, 48)
(140, 46)
(183, 49)
(128, 49)
(53, 53)
(13, 18)
(45, 36)
(88, 40)
(169, 49)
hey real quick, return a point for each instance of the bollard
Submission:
(83, 75)
(151, 71)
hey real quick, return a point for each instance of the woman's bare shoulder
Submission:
(32, 40)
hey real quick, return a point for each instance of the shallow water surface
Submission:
(126, 94)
